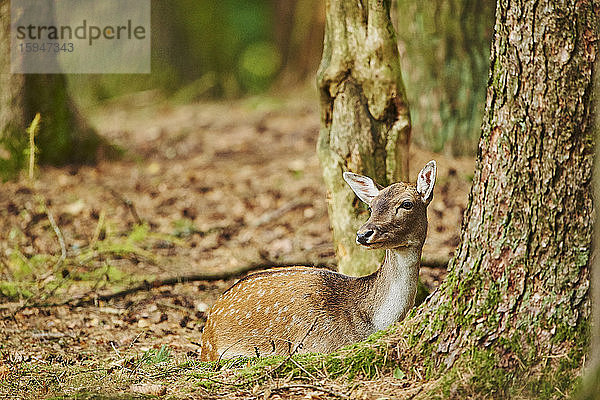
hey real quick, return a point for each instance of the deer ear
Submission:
(426, 181)
(363, 186)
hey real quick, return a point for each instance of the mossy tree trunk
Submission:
(365, 122)
(516, 299)
(64, 136)
(445, 63)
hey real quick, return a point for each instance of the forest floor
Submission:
(208, 188)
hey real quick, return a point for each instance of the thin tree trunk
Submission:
(515, 307)
(11, 103)
(445, 62)
(64, 136)
(365, 122)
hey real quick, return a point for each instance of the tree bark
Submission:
(365, 122)
(515, 307)
(64, 136)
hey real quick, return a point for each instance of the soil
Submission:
(219, 186)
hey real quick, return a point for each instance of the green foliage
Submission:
(14, 290)
(200, 49)
(259, 63)
(12, 155)
(16, 148)
(398, 373)
(44, 277)
(184, 227)
(138, 233)
(154, 356)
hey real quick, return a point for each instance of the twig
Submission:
(32, 131)
(48, 335)
(308, 386)
(270, 216)
(272, 338)
(61, 239)
(112, 344)
(297, 364)
(128, 203)
(98, 229)
(135, 339)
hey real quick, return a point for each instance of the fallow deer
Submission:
(302, 309)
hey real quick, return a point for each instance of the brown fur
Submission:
(302, 309)
(279, 311)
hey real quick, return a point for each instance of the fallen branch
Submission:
(307, 386)
(147, 285)
(199, 277)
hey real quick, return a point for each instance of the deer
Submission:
(293, 310)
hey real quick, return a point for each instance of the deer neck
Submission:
(395, 285)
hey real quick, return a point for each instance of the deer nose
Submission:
(363, 237)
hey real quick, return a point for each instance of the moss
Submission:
(14, 290)
(138, 233)
(476, 372)
(512, 368)
(367, 359)
(422, 293)
(364, 359)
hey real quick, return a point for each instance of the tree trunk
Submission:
(64, 136)
(591, 382)
(445, 62)
(365, 123)
(514, 311)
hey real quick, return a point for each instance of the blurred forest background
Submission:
(233, 48)
(208, 50)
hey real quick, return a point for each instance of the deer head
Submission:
(398, 212)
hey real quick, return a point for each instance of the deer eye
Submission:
(407, 205)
